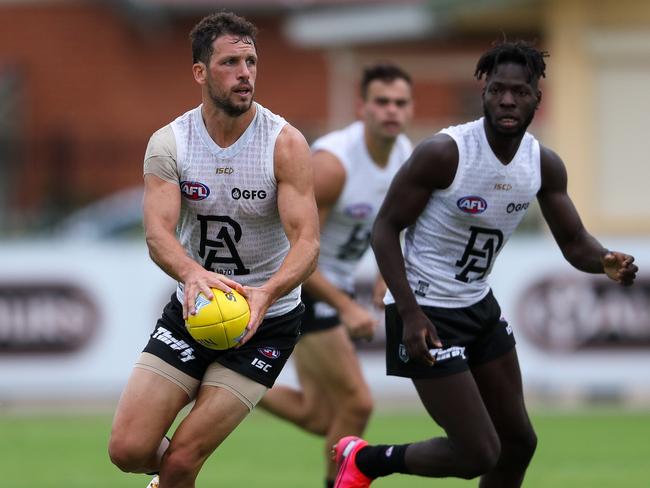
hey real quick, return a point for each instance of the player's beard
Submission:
(225, 104)
(519, 132)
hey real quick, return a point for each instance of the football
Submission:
(221, 322)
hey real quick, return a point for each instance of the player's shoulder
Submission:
(550, 162)
(290, 144)
(548, 155)
(552, 167)
(434, 162)
(167, 133)
(163, 133)
(440, 145)
(162, 142)
(291, 135)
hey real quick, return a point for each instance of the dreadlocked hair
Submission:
(519, 52)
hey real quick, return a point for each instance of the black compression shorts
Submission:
(470, 336)
(260, 359)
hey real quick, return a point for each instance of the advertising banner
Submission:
(74, 318)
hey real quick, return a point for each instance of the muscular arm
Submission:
(578, 246)
(161, 211)
(297, 209)
(431, 166)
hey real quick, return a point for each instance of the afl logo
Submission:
(269, 352)
(193, 190)
(472, 205)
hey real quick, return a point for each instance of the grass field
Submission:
(586, 449)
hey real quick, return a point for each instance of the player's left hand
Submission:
(620, 267)
(259, 300)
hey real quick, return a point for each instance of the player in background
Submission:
(353, 169)
(236, 180)
(444, 327)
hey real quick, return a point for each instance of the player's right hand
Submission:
(201, 281)
(259, 300)
(359, 322)
(620, 267)
(419, 335)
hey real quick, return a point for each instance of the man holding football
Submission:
(262, 247)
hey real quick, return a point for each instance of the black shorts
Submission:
(470, 336)
(318, 315)
(260, 359)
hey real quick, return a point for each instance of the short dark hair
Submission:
(519, 52)
(384, 71)
(216, 25)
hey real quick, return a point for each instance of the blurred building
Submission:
(83, 84)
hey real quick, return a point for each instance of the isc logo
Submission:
(263, 365)
(472, 204)
(193, 190)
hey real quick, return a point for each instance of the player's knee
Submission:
(521, 449)
(128, 456)
(479, 464)
(181, 463)
(358, 405)
(317, 422)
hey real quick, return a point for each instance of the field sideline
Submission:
(578, 449)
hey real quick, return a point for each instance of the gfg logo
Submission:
(193, 190)
(517, 207)
(472, 204)
(248, 194)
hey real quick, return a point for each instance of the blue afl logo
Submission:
(472, 204)
(193, 190)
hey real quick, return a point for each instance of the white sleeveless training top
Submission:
(229, 220)
(346, 234)
(450, 250)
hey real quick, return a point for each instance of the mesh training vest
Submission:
(229, 220)
(345, 237)
(450, 250)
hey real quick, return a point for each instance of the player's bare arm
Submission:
(578, 246)
(329, 179)
(297, 209)
(431, 166)
(162, 203)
